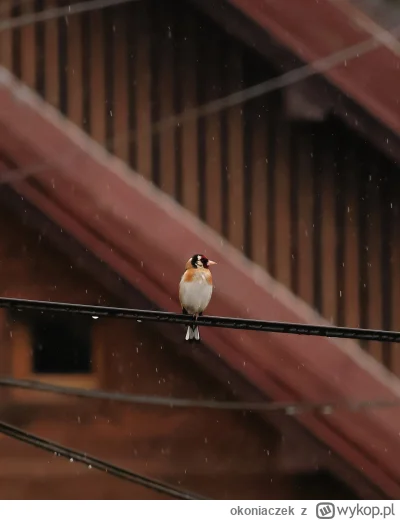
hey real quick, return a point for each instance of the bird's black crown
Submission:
(196, 259)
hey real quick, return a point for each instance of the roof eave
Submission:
(109, 212)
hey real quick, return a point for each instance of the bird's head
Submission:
(199, 261)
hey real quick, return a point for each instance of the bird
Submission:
(195, 291)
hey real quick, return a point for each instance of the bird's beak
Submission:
(210, 262)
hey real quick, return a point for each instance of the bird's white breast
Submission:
(196, 294)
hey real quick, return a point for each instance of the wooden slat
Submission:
(165, 93)
(52, 84)
(188, 88)
(373, 257)
(74, 71)
(143, 90)
(213, 160)
(21, 351)
(120, 112)
(281, 222)
(305, 224)
(395, 268)
(235, 149)
(259, 192)
(351, 246)
(97, 78)
(28, 48)
(6, 36)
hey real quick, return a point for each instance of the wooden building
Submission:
(294, 193)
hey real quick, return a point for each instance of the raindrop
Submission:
(95, 317)
(71, 459)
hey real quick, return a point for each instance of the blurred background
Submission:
(261, 133)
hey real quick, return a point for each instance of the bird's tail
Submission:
(192, 333)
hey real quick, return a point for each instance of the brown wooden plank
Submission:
(188, 79)
(28, 48)
(328, 234)
(165, 93)
(143, 90)
(235, 172)
(395, 268)
(212, 76)
(305, 224)
(120, 111)
(74, 69)
(6, 47)
(351, 246)
(259, 187)
(97, 78)
(373, 257)
(52, 84)
(282, 203)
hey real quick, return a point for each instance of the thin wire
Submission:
(78, 456)
(95, 311)
(58, 12)
(287, 408)
(289, 78)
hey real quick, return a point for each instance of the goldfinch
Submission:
(195, 290)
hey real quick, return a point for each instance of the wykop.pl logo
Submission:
(325, 510)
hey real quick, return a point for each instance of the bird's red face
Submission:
(201, 261)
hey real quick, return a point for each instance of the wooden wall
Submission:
(312, 203)
(221, 454)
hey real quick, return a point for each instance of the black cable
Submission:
(39, 442)
(204, 321)
(288, 408)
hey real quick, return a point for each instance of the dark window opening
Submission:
(61, 346)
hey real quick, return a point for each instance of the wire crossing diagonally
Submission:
(204, 321)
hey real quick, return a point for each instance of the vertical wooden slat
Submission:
(120, 113)
(351, 247)
(188, 79)
(21, 350)
(328, 232)
(6, 49)
(166, 97)
(235, 149)
(143, 90)
(317, 212)
(395, 270)
(109, 74)
(52, 86)
(386, 267)
(74, 69)
(363, 221)
(132, 84)
(28, 49)
(282, 247)
(97, 78)
(373, 258)
(305, 229)
(259, 195)
(340, 222)
(213, 198)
